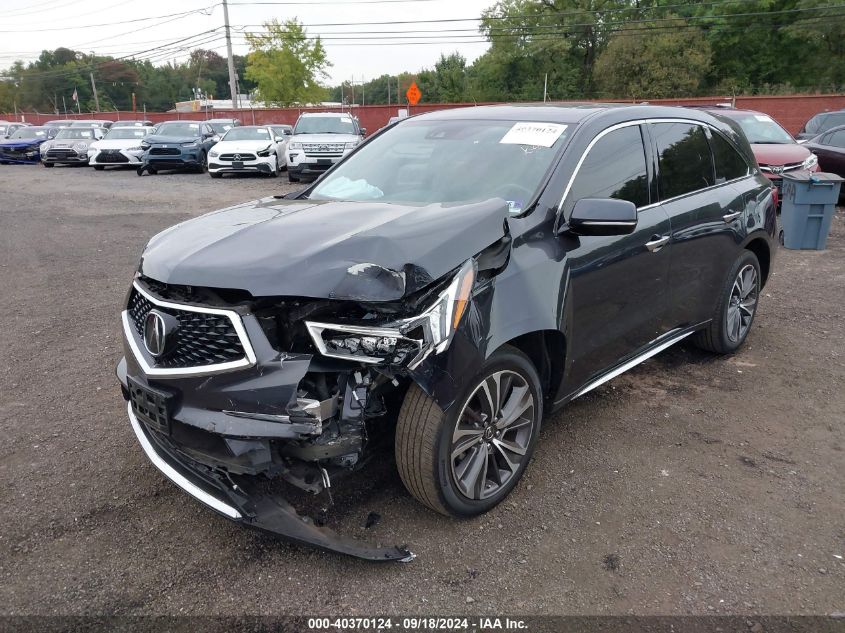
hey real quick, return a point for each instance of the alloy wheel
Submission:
(742, 303)
(492, 435)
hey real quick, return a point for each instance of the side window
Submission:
(837, 139)
(683, 157)
(729, 163)
(615, 167)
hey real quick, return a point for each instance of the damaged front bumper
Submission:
(239, 502)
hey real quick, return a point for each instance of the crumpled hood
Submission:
(367, 251)
(154, 139)
(20, 143)
(779, 153)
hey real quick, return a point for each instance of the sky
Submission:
(151, 29)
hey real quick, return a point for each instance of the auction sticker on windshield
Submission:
(536, 134)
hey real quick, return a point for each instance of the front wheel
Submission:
(292, 178)
(48, 164)
(464, 461)
(215, 174)
(203, 163)
(99, 167)
(736, 307)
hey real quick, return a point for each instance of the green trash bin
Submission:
(809, 203)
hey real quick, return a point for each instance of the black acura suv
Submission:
(454, 279)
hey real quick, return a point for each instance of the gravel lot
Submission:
(693, 484)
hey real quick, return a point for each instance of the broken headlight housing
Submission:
(405, 342)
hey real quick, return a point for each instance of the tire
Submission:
(215, 175)
(152, 171)
(48, 164)
(425, 439)
(203, 164)
(292, 178)
(737, 297)
(99, 167)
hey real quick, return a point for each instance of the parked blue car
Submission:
(24, 145)
(177, 145)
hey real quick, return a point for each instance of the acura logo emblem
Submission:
(158, 328)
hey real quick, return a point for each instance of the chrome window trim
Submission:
(175, 476)
(184, 372)
(625, 124)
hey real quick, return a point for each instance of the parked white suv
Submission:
(321, 139)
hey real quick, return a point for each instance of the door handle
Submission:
(730, 217)
(657, 242)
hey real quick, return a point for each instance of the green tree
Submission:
(286, 65)
(450, 78)
(640, 64)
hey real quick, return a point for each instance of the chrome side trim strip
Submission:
(184, 372)
(195, 491)
(631, 363)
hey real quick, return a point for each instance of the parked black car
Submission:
(819, 123)
(456, 277)
(829, 146)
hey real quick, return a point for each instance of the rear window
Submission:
(729, 163)
(684, 158)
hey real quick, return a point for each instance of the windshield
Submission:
(760, 128)
(820, 124)
(178, 129)
(325, 125)
(88, 123)
(30, 132)
(247, 134)
(126, 132)
(220, 127)
(78, 132)
(424, 162)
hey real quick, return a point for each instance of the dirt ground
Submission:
(693, 484)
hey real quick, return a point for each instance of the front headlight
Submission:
(137, 148)
(213, 154)
(190, 145)
(264, 153)
(812, 161)
(294, 145)
(406, 342)
(351, 145)
(145, 146)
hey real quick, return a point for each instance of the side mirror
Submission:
(280, 139)
(363, 131)
(602, 216)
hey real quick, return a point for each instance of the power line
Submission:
(133, 21)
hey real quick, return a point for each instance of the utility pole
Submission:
(96, 98)
(233, 82)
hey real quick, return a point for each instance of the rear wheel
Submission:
(464, 461)
(736, 308)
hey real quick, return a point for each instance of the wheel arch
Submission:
(546, 349)
(760, 247)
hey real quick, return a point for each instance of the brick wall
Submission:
(790, 111)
